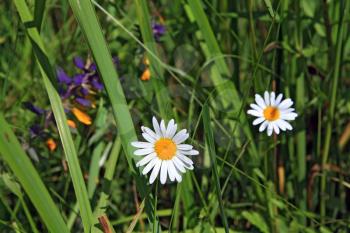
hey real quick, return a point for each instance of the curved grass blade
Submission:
(90, 26)
(220, 71)
(60, 117)
(23, 169)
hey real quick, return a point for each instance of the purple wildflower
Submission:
(158, 30)
(83, 102)
(79, 63)
(96, 83)
(35, 130)
(79, 79)
(93, 67)
(38, 111)
(62, 77)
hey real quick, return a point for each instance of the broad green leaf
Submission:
(12, 153)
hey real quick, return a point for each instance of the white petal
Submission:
(288, 110)
(255, 107)
(260, 101)
(276, 129)
(178, 178)
(171, 170)
(143, 151)
(169, 128)
(189, 152)
(278, 99)
(179, 164)
(281, 125)
(258, 120)
(150, 132)
(148, 138)
(184, 147)
(289, 116)
(155, 171)
(142, 144)
(269, 129)
(285, 104)
(181, 136)
(156, 126)
(150, 165)
(164, 171)
(162, 128)
(263, 126)
(267, 98)
(285, 124)
(173, 131)
(146, 159)
(186, 160)
(272, 98)
(188, 166)
(255, 113)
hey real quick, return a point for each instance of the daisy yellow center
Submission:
(271, 113)
(165, 148)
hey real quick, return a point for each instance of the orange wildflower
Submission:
(81, 116)
(146, 75)
(71, 124)
(51, 144)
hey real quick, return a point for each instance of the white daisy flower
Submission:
(272, 113)
(163, 151)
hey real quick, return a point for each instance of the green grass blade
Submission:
(301, 144)
(39, 13)
(344, 9)
(95, 168)
(60, 117)
(71, 156)
(108, 176)
(23, 169)
(14, 187)
(209, 138)
(89, 24)
(86, 18)
(273, 13)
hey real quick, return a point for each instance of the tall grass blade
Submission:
(39, 10)
(209, 138)
(344, 11)
(86, 17)
(60, 117)
(108, 176)
(13, 154)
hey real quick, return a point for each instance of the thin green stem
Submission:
(343, 8)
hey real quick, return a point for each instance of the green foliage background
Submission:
(206, 68)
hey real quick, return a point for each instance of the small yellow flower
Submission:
(146, 61)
